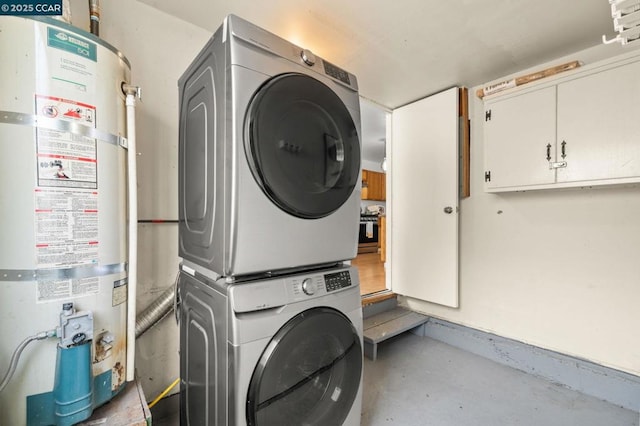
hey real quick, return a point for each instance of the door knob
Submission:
(448, 210)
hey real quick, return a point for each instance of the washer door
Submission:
(302, 145)
(309, 373)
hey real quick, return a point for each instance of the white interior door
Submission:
(424, 199)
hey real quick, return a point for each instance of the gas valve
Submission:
(75, 328)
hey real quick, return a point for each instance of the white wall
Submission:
(557, 269)
(376, 166)
(159, 48)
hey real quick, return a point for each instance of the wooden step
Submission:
(377, 297)
(388, 324)
(377, 303)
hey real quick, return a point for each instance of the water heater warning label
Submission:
(49, 290)
(66, 228)
(66, 232)
(66, 159)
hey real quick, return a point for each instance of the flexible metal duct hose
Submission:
(154, 313)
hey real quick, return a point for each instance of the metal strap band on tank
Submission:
(11, 117)
(76, 272)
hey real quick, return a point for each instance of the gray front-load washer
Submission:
(286, 351)
(269, 156)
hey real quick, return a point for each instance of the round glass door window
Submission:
(302, 145)
(309, 373)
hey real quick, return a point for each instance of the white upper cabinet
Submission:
(599, 122)
(517, 132)
(577, 130)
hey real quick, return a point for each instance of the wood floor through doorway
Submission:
(371, 271)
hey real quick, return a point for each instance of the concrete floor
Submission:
(417, 381)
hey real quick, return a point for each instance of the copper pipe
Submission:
(94, 17)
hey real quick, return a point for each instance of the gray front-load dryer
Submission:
(284, 351)
(269, 156)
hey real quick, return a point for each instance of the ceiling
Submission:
(404, 51)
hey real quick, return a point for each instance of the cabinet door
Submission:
(379, 183)
(374, 191)
(424, 181)
(599, 122)
(518, 130)
(375, 185)
(365, 185)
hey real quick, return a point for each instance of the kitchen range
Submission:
(368, 235)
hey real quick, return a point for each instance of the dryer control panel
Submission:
(337, 280)
(335, 72)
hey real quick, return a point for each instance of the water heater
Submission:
(63, 220)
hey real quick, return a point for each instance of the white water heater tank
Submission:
(63, 204)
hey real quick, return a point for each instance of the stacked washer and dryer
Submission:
(269, 160)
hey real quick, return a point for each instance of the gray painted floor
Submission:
(420, 381)
(417, 381)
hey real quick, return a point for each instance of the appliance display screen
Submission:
(337, 280)
(336, 72)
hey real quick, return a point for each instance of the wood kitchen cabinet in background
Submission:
(374, 186)
(577, 130)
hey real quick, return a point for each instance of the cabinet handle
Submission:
(548, 152)
(564, 154)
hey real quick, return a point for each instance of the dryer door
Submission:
(302, 145)
(309, 373)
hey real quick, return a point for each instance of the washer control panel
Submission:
(250, 296)
(305, 287)
(337, 280)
